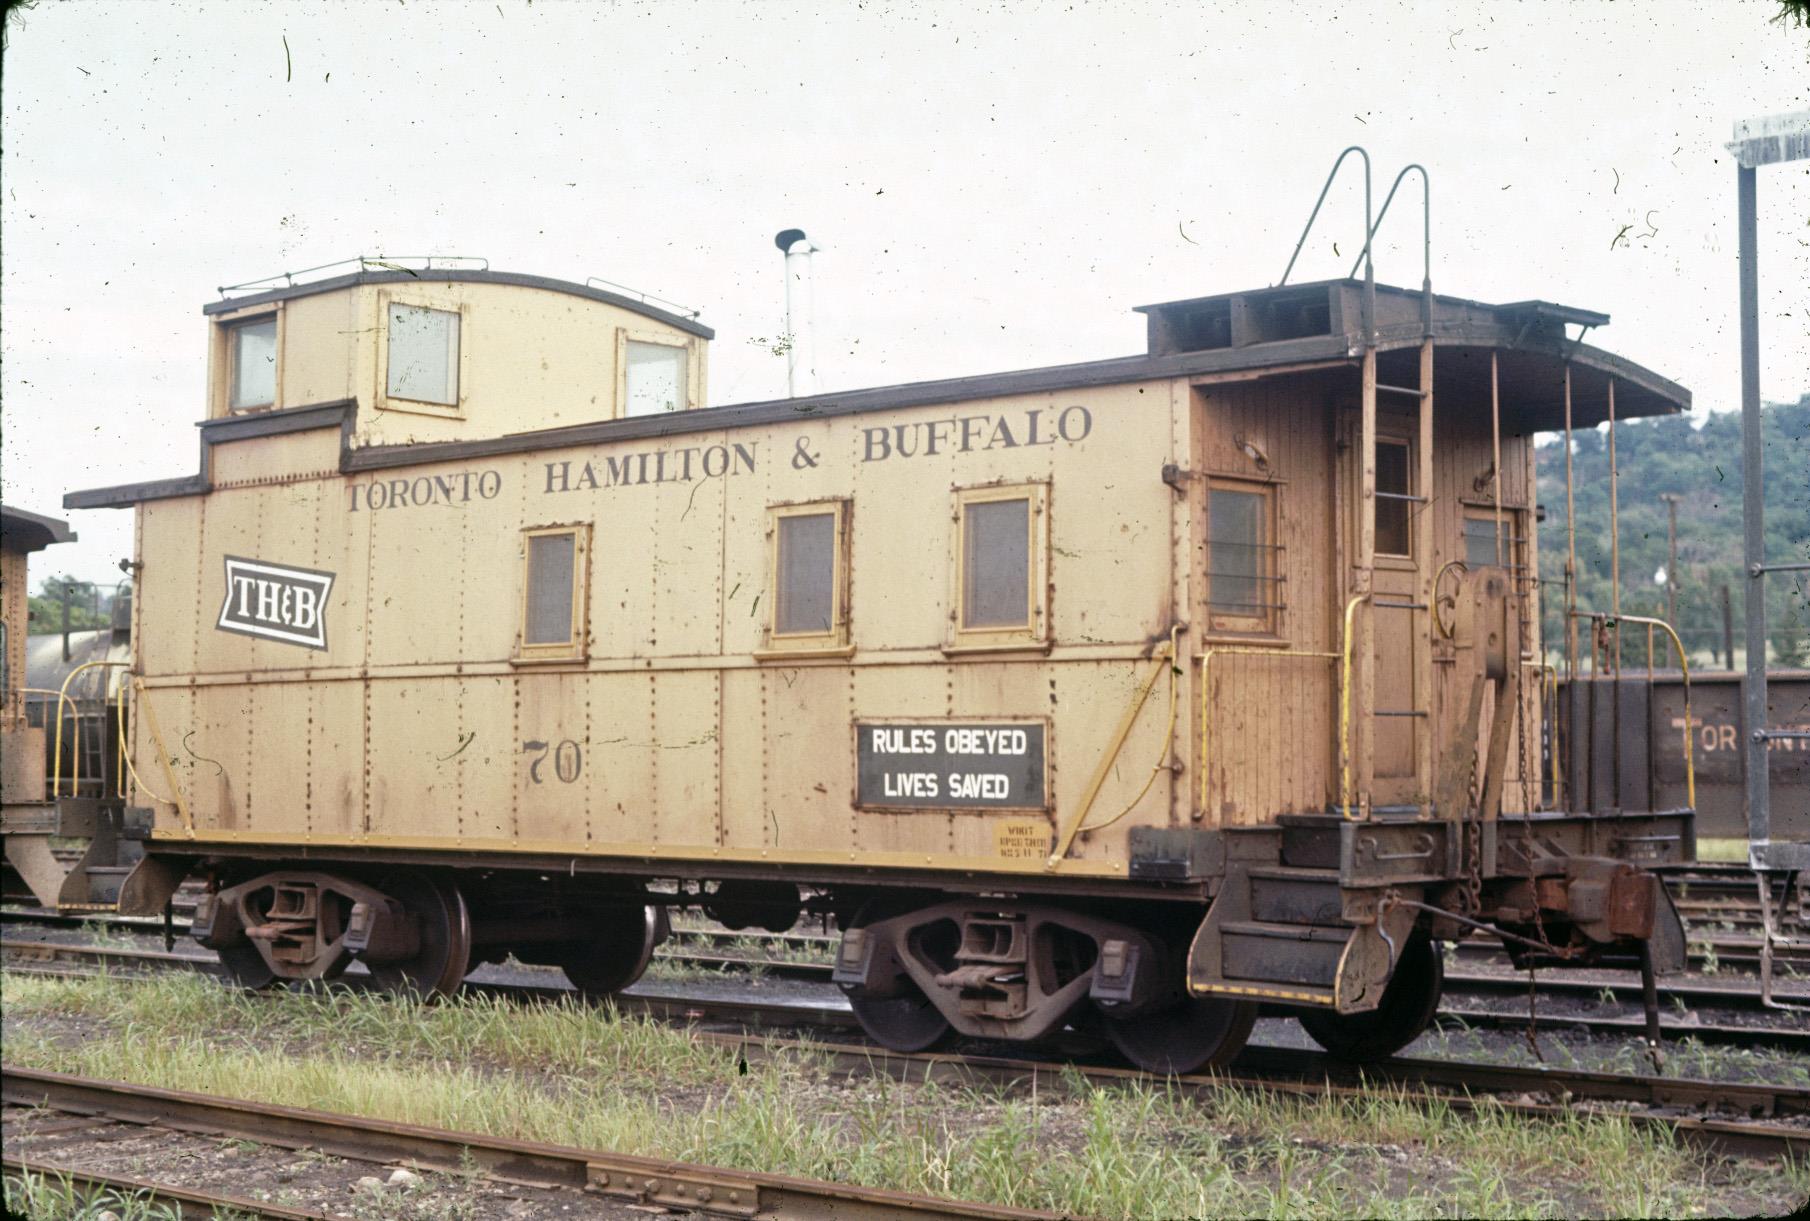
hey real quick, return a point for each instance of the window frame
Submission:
(226, 356)
(384, 399)
(1514, 542)
(838, 640)
(694, 372)
(577, 646)
(1035, 634)
(1267, 623)
(1412, 472)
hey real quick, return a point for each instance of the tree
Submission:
(87, 606)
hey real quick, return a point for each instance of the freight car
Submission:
(1133, 693)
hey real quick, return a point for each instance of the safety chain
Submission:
(1473, 834)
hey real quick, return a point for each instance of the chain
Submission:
(1473, 835)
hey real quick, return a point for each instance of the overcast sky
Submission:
(993, 187)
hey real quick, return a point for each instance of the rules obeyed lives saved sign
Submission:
(942, 765)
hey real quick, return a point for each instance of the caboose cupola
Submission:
(446, 349)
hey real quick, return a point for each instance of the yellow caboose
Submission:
(1160, 686)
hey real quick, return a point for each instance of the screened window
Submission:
(810, 579)
(996, 552)
(424, 355)
(1480, 540)
(999, 561)
(806, 602)
(553, 593)
(655, 377)
(1394, 487)
(253, 357)
(1242, 592)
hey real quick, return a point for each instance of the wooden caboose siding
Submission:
(15, 613)
(410, 723)
(1460, 472)
(1272, 719)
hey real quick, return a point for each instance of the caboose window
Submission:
(254, 364)
(1480, 539)
(1243, 585)
(553, 565)
(996, 568)
(999, 566)
(423, 354)
(655, 379)
(1394, 490)
(810, 583)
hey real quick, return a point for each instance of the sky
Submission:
(992, 186)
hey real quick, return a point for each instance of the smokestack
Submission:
(800, 296)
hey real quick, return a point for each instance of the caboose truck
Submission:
(1129, 694)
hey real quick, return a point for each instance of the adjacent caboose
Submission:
(1137, 692)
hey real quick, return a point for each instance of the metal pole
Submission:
(1671, 558)
(1614, 633)
(1753, 689)
(791, 336)
(1728, 628)
(1570, 552)
(1614, 533)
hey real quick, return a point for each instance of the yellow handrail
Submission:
(1345, 706)
(1549, 685)
(1684, 666)
(1206, 687)
(1168, 742)
(56, 784)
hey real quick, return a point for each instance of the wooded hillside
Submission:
(1702, 466)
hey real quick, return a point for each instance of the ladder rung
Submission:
(1396, 712)
(1383, 389)
(1421, 500)
(1400, 605)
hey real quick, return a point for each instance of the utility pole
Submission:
(1758, 142)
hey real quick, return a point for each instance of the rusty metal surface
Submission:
(708, 1190)
(1719, 744)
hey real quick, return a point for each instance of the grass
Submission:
(591, 1077)
(1684, 1056)
(54, 1198)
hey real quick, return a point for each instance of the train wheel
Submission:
(1408, 1006)
(616, 956)
(246, 967)
(1192, 1034)
(444, 957)
(904, 1023)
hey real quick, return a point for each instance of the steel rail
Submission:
(1735, 995)
(1291, 1069)
(797, 1014)
(627, 1178)
(187, 1201)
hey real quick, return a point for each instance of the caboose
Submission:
(1131, 694)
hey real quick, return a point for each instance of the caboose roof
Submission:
(25, 531)
(1259, 332)
(690, 326)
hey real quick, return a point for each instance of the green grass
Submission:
(591, 1077)
(54, 1198)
